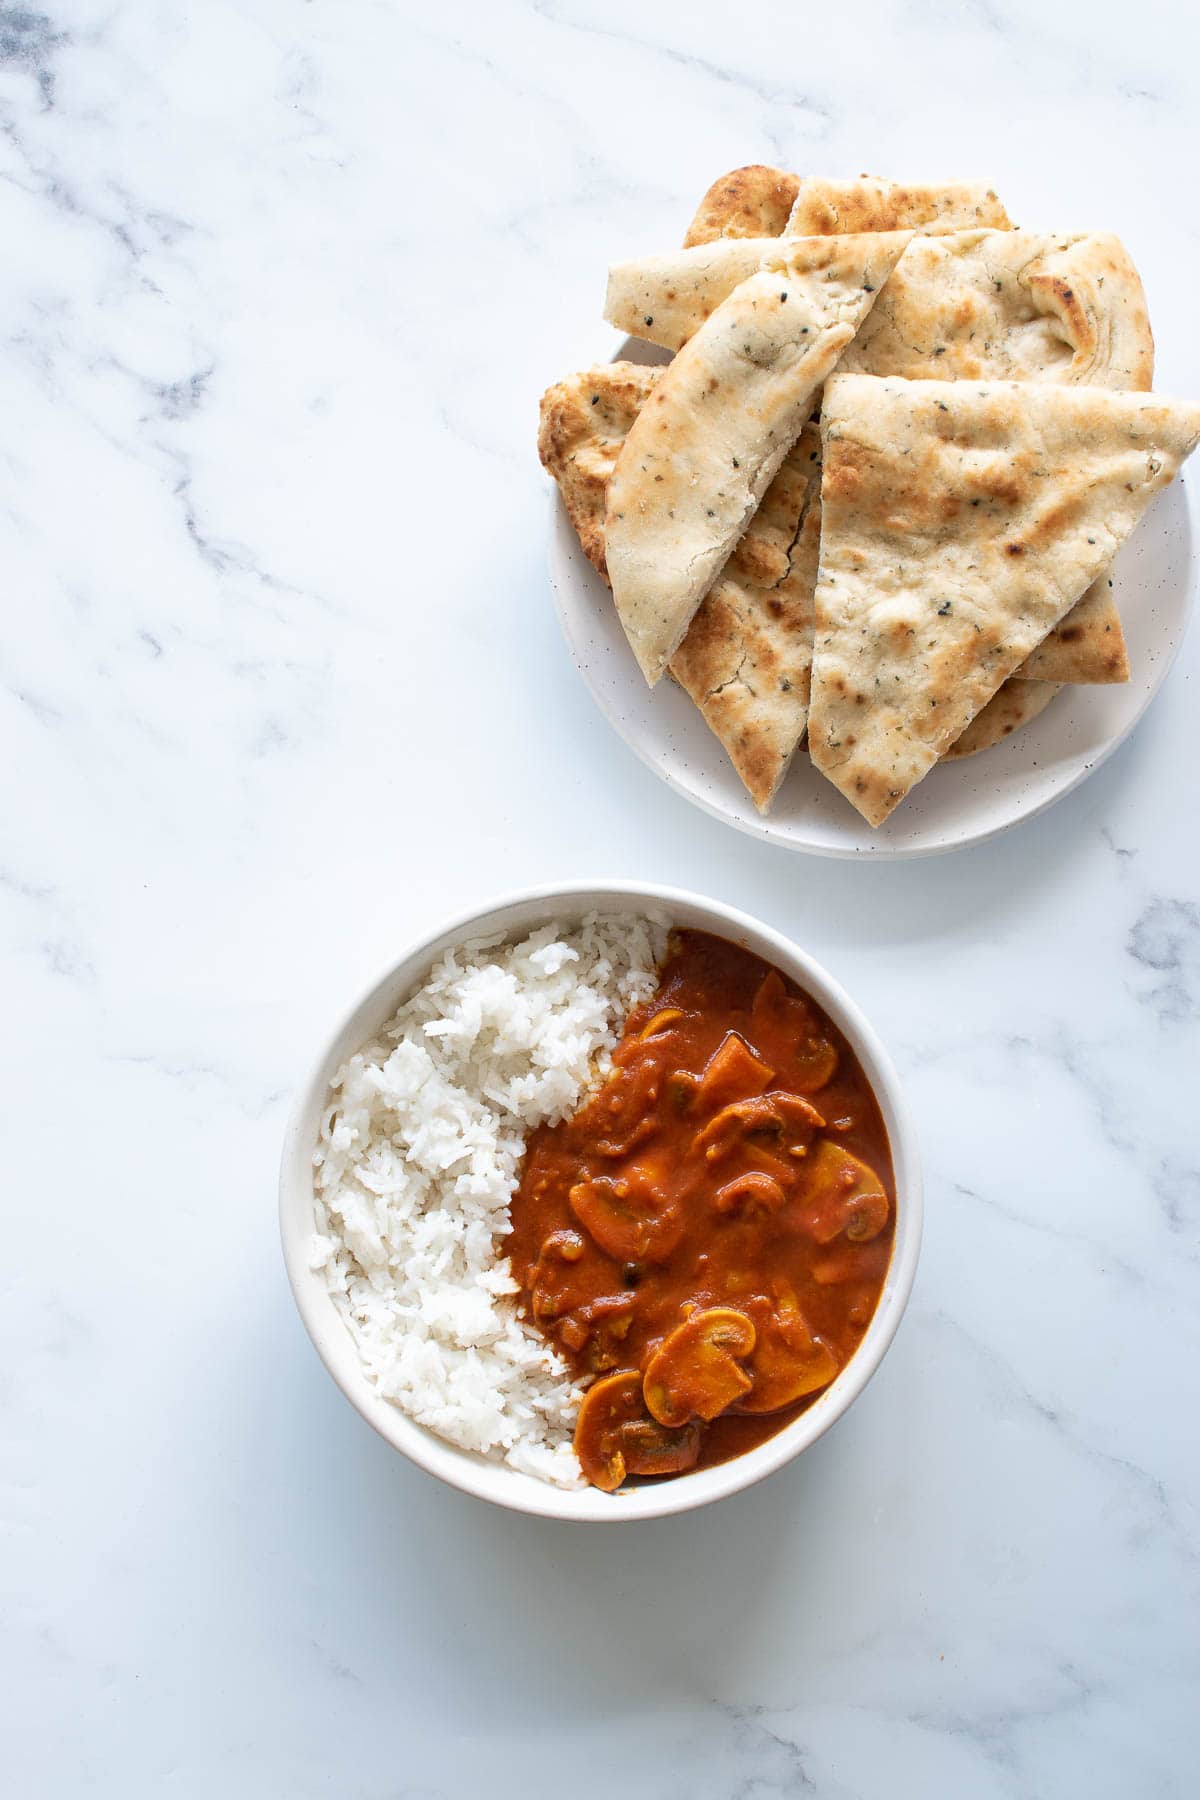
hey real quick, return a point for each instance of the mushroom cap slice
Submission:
(607, 1407)
(651, 1449)
(842, 1194)
(614, 1437)
(753, 1193)
(789, 1360)
(775, 1010)
(631, 1223)
(782, 1115)
(781, 1375)
(697, 1372)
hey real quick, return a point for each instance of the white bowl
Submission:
(496, 1481)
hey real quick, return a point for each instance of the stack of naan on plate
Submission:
(875, 495)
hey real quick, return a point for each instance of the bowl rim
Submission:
(497, 1482)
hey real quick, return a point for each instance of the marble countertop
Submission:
(281, 686)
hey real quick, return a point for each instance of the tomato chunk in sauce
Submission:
(714, 1225)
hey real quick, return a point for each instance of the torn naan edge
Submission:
(1010, 707)
(1011, 306)
(960, 522)
(705, 448)
(758, 201)
(746, 657)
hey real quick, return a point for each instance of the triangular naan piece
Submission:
(1014, 704)
(746, 657)
(706, 447)
(960, 522)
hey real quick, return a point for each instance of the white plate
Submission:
(958, 803)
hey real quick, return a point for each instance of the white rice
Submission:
(420, 1151)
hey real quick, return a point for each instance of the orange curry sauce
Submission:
(705, 1241)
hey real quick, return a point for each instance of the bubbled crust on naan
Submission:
(724, 414)
(1011, 706)
(583, 424)
(961, 521)
(750, 202)
(1011, 306)
(869, 203)
(746, 659)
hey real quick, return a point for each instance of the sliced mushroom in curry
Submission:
(706, 1239)
(614, 1437)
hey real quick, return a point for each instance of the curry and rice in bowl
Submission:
(603, 1204)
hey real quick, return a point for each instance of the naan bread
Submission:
(746, 657)
(703, 451)
(976, 305)
(582, 428)
(960, 522)
(762, 202)
(581, 436)
(750, 202)
(1011, 306)
(869, 204)
(1010, 707)
(665, 298)
(1087, 646)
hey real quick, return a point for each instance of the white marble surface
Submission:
(282, 685)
